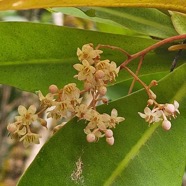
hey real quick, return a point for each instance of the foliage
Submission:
(34, 56)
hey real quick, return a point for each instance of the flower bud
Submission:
(150, 102)
(102, 90)
(87, 86)
(53, 89)
(91, 138)
(166, 125)
(104, 100)
(11, 127)
(170, 108)
(99, 74)
(110, 141)
(154, 83)
(108, 133)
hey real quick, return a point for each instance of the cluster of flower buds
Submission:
(159, 112)
(67, 102)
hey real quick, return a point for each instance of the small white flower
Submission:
(26, 116)
(86, 71)
(114, 119)
(46, 100)
(110, 70)
(81, 111)
(88, 53)
(151, 116)
(62, 109)
(30, 138)
(70, 91)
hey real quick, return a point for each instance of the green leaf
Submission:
(141, 155)
(179, 22)
(146, 21)
(34, 56)
(118, 30)
(76, 12)
(141, 20)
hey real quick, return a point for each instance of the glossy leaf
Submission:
(34, 56)
(76, 12)
(141, 155)
(142, 20)
(179, 22)
(28, 4)
(145, 21)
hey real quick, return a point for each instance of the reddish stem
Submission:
(137, 72)
(152, 47)
(114, 48)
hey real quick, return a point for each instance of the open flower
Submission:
(151, 116)
(81, 110)
(61, 109)
(114, 119)
(86, 71)
(88, 53)
(70, 91)
(109, 69)
(30, 138)
(113, 71)
(95, 120)
(26, 116)
(45, 100)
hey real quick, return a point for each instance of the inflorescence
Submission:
(62, 104)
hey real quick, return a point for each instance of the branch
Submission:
(152, 47)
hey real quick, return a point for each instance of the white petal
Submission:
(40, 95)
(142, 115)
(32, 109)
(85, 63)
(176, 104)
(147, 111)
(114, 113)
(78, 67)
(86, 47)
(22, 110)
(120, 119)
(22, 131)
(78, 52)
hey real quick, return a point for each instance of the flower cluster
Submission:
(20, 129)
(160, 113)
(61, 104)
(94, 72)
